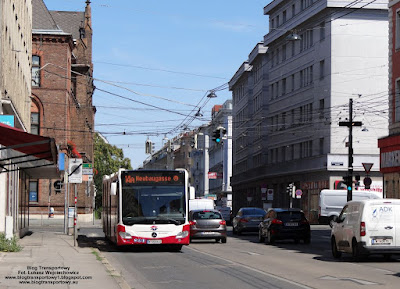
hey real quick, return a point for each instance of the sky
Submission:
(155, 62)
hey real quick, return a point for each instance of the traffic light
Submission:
(348, 180)
(148, 147)
(216, 137)
(289, 189)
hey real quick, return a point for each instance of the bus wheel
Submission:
(176, 248)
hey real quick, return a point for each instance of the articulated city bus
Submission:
(142, 207)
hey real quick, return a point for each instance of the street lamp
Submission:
(293, 36)
(212, 94)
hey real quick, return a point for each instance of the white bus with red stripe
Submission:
(144, 207)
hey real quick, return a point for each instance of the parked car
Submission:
(367, 227)
(280, 224)
(331, 202)
(207, 224)
(247, 220)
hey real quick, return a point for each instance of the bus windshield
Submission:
(153, 205)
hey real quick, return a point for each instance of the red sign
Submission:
(212, 175)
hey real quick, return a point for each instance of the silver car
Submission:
(207, 224)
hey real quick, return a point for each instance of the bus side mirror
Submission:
(113, 189)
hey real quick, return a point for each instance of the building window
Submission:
(397, 40)
(322, 31)
(284, 16)
(321, 108)
(322, 69)
(293, 10)
(293, 83)
(284, 86)
(283, 52)
(397, 101)
(293, 48)
(33, 191)
(35, 71)
(321, 146)
(35, 123)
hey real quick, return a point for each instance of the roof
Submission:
(41, 17)
(69, 21)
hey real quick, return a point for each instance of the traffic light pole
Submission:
(350, 168)
(350, 123)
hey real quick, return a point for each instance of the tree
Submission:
(108, 159)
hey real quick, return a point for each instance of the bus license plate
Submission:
(154, 241)
(381, 241)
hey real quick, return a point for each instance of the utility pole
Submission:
(350, 124)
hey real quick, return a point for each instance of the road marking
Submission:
(357, 281)
(252, 253)
(252, 269)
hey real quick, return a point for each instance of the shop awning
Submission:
(35, 154)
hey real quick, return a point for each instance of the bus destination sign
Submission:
(153, 178)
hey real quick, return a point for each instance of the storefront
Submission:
(390, 165)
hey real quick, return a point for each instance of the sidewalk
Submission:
(50, 257)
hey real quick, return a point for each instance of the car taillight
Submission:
(192, 223)
(276, 221)
(244, 220)
(222, 222)
(303, 221)
(362, 229)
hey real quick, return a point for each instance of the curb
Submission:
(113, 273)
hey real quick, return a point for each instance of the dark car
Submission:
(247, 220)
(207, 224)
(280, 224)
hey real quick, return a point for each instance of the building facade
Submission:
(23, 156)
(310, 83)
(62, 90)
(390, 145)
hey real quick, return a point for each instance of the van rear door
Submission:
(380, 223)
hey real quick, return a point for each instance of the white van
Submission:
(201, 204)
(331, 202)
(367, 227)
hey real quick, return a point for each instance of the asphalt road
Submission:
(244, 263)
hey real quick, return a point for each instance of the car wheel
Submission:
(335, 253)
(233, 230)
(217, 240)
(355, 251)
(261, 238)
(238, 232)
(223, 240)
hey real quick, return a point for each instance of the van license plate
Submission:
(380, 241)
(154, 241)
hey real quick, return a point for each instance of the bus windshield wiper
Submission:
(159, 218)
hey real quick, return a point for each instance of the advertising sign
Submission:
(7, 119)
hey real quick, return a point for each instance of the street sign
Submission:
(75, 171)
(270, 195)
(299, 193)
(367, 183)
(87, 169)
(367, 167)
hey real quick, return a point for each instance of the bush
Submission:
(9, 245)
(97, 213)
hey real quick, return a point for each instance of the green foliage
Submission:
(9, 245)
(108, 159)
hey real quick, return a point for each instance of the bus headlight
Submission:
(182, 234)
(125, 235)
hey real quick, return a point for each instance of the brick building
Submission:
(62, 90)
(390, 145)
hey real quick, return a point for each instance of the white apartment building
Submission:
(342, 55)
